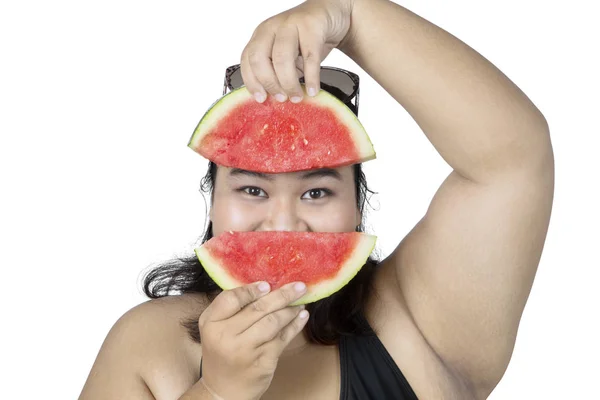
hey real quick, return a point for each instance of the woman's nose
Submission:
(282, 215)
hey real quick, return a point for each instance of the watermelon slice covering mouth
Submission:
(325, 262)
(274, 137)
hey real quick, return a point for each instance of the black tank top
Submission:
(368, 372)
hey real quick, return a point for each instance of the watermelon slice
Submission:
(274, 137)
(326, 262)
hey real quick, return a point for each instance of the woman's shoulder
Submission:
(160, 324)
(174, 306)
(150, 343)
(164, 314)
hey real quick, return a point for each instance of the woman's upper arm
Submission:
(148, 353)
(467, 268)
(116, 371)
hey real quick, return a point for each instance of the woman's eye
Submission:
(315, 194)
(254, 191)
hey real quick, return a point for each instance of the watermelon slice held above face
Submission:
(274, 137)
(325, 262)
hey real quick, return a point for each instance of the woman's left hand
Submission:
(291, 44)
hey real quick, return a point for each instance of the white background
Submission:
(98, 101)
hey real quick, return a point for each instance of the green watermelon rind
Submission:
(231, 100)
(348, 270)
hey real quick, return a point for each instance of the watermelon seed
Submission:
(266, 126)
(293, 147)
(305, 141)
(292, 126)
(328, 152)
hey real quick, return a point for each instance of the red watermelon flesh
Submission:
(274, 137)
(324, 261)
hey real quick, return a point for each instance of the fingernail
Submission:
(296, 99)
(299, 287)
(280, 97)
(303, 314)
(259, 97)
(312, 91)
(263, 287)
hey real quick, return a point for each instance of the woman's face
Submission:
(321, 200)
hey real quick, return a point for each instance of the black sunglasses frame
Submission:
(351, 100)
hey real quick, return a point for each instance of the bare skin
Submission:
(450, 297)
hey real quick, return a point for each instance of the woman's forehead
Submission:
(341, 174)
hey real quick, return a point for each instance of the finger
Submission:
(300, 67)
(285, 54)
(311, 55)
(259, 62)
(250, 80)
(270, 326)
(274, 301)
(230, 302)
(275, 346)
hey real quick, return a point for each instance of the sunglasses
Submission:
(344, 85)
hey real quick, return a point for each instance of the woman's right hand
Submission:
(243, 332)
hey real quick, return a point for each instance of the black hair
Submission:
(338, 314)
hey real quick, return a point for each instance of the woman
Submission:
(444, 307)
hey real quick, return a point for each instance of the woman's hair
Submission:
(338, 314)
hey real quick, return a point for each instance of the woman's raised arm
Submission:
(467, 268)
